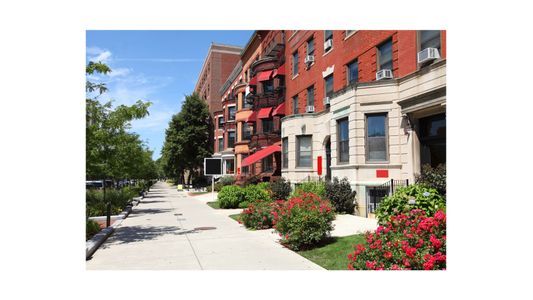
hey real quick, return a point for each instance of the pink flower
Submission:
(440, 215)
(387, 254)
(370, 265)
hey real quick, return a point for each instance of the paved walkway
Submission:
(165, 232)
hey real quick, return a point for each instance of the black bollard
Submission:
(108, 221)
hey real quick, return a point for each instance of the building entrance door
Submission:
(433, 140)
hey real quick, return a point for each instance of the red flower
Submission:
(370, 265)
(396, 267)
(440, 215)
(435, 241)
(387, 254)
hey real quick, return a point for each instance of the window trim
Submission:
(344, 162)
(348, 82)
(295, 53)
(307, 95)
(298, 151)
(387, 151)
(332, 85)
(285, 152)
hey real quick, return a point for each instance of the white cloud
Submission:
(118, 72)
(98, 55)
(156, 121)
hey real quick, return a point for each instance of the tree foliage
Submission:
(111, 150)
(187, 140)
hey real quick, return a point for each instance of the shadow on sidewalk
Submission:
(132, 234)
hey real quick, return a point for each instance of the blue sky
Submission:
(158, 66)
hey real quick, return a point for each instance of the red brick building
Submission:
(218, 64)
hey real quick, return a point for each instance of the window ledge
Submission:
(293, 77)
(349, 35)
(328, 52)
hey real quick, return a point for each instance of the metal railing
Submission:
(377, 193)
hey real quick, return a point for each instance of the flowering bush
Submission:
(259, 214)
(303, 220)
(316, 187)
(409, 241)
(281, 189)
(425, 198)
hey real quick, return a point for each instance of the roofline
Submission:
(209, 51)
(249, 42)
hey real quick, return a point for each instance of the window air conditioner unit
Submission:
(428, 54)
(310, 108)
(309, 59)
(384, 74)
(326, 101)
(328, 44)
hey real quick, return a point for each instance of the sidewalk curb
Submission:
(98, 239)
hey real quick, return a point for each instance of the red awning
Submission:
(279, 71)
(264, 113)
(280, 110)
(252, 117)
(264, 75)
(253, 81)
(260, 155)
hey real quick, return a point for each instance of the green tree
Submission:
(112, 151)
(187, 140)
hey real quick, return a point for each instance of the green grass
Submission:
(333, 254)
(215, 204)
(235, 217)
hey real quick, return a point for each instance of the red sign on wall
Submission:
(238, 171)
(382, 173)
(319, 165)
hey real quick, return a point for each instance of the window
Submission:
(342, 140)
(429, 39)
(295, 63)
(267, 125)
(311, 47)
(246, 131)
(376, 137)
(353, 71)
(295, 104)
(285, 153)
(311, 96)
(328, 35)
(231, 113)
(385, 55)
(231, 139)
(268, 86)
(328, 82)
(230, 166)
(303, 151)
(267, 164)
(220, 144)
(220, 121)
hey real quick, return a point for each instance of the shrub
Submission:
(91, 229)
(96, 206)
(341, 195)
(409, 241)
(433, 178)
(281, 189)
(426, 199)
(303, 220)
(258, 215)
(227, 180)
(255, 192)
(316, 187)
(230, 196)
(254, 179)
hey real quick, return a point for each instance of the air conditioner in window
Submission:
(326, 101)
(310, 108)
(384, 74)
(309, 59)
(428, 54)
(328, 44)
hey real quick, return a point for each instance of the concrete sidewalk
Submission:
(170, 230)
